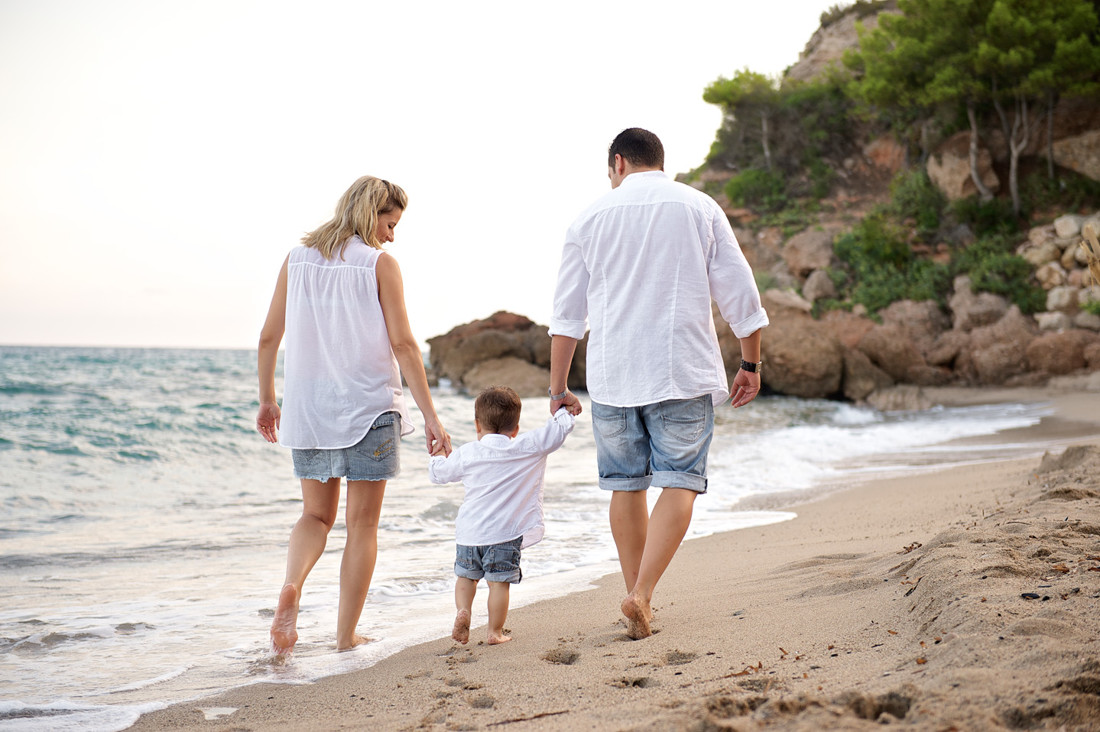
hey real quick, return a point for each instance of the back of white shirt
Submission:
(641, 265)
(503, 478)
(339, 371)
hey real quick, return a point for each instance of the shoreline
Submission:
(895, 598)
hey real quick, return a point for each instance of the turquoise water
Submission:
(144, 524)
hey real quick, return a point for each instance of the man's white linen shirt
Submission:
(503, 478)
(642, 265)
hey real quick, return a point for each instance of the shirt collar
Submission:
(496, 438)
(645, 174)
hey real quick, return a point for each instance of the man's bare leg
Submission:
(465, 589)
(498, 612)
(629, 515)
(667, 527)
(364, 505)
(320, 501)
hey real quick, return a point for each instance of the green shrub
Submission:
(915, 197)
(985, 218)
(882, 268)
(1091, 306)
(757, 188)
(993, 267)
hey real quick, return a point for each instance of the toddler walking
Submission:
(502, 474)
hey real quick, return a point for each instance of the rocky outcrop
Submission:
(504, 348)
(824, 52)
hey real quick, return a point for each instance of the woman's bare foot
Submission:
(461, 631)
(356, 640)
(284, 627)
(498, 638)
(638, 616)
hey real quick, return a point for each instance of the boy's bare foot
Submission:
(496, 639)
(638, 616)
(284, 627)
(356, 640)
(461, 631)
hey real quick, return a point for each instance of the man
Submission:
(641, 265)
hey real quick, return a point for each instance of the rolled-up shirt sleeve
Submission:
(570, 317)
(732, 284)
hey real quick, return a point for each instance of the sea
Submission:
(144, 526)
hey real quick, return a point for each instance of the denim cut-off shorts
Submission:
(375, 457)
(494, 562)
(663, 444)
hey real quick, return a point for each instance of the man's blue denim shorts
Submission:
(664, 444)
(375, 457)
(494, 562)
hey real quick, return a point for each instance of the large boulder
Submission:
(502, 335)
(997, 353)
(890, 348)
(921, 322)
(949, 168)
(809, 250)
(971, 310)
(1080, 153)
(801, 357)
(526, 378)
(1060, 353)
(861, 377)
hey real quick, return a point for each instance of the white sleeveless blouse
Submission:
(339, 373)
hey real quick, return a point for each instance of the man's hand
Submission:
(746, 386)
(569, 401)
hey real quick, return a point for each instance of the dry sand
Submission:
(960, 600)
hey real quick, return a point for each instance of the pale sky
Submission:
(159, 158)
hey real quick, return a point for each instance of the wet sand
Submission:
(966, 599)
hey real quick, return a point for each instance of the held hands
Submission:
(439, 442)
(569, 401)
(267, 421)
(746, 386)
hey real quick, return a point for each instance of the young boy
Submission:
(502, 510)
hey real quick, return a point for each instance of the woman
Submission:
(340, 301)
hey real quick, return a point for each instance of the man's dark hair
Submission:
(641, 148)
(497, 409)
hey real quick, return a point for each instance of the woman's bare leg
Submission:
(320, 501)
(364, 505)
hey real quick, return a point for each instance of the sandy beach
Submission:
(966, 599)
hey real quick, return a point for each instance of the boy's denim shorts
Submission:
(494, 562)
(375, 457)
(664, 444)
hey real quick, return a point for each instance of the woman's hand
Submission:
(267, 421)
(439, 442)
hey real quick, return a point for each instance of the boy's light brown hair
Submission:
(497, 409)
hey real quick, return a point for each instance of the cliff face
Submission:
(827, 45)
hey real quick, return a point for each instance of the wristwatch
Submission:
(752, 367)
(557, 397)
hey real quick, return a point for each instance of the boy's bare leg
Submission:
(667, 527)
(465, 589)
(320, 501)
(629, 516)
(498, 612)
(364, 505)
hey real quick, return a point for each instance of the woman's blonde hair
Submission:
(357, 214)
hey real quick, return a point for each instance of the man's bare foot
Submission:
(461, 631)
(284, 627)
(496, 639)
(638, 616)
(356, 640)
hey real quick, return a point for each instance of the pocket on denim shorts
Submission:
(502, 558)
(384, 450)
(608, 421)
(685, 420)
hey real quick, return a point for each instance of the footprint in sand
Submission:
(564, 656)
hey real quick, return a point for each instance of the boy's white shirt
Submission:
(503, 478)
